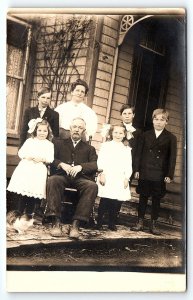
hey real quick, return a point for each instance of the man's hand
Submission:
(38, 160)
(136, 175)
(75, 170)
(126, 183)
(167, 179)
(65, 167)
(102, 179)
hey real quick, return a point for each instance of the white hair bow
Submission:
(105, 130)
(32, 124)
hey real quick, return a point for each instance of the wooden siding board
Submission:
(109, 41)
(106, 49)
(106, 58)
(117, 106)
(112, 23)
(101, 93)
(102, 84)
(119, 98)
(111, 32)
(105, 67)
(103, 75)
(121, 90)
(122, 82)
(100, 101)
(123, 73)
(99, 110)
(125, 56)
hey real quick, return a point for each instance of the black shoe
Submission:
(138, 226)
(112, 227)
(154, 229)
(99, 225)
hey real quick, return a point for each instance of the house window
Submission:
(18, 38)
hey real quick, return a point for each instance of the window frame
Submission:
(22, 79)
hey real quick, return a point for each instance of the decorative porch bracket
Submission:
(127, 22)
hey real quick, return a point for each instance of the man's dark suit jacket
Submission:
(33, 113)
(156, 157)
(83, 154)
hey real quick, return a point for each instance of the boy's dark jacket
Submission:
(156, 157)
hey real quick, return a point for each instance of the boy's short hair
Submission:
(79, 82)
(161, 111)
(127, 106)
(116, 125)
(44, 90)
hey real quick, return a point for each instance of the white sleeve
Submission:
(58, 109)
(102, 157)
(128, 163)
(25, 150)
(91, 123)
(49, 153)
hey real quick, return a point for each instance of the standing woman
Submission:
(76, 108)
(42, 110)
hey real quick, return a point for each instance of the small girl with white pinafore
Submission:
(115, 160)
(28, 180)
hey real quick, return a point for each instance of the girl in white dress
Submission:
(29, 178)
(115, 160)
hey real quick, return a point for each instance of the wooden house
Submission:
(136, 57)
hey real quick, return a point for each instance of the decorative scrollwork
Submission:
(126, 22)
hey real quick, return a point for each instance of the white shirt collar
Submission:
(42, 111)
(75, 142)
(129, 127)
(76, 104)
(158, 132)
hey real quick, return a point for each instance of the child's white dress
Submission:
(115, 160)
(29, 178)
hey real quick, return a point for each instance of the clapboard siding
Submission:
(122, 80)
(108, 44)
(174, 104)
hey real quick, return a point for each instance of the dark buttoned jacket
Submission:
(134, 142)
(32, 113)
(156, 157)
(82, 154)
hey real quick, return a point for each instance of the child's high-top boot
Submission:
(153, 228)
(139, 225)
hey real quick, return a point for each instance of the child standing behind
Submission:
(29, 178)
(155, 165)
(115, 160)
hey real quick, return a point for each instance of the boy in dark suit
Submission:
(154, 167)
(42, 110)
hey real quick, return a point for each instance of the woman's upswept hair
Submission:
(161, 111)
(79, 82)
(43, 122)
(112, 128)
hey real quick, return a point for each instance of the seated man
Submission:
(75, 166)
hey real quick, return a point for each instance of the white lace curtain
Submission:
(14, 80)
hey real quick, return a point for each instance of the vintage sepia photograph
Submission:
(96, 145)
